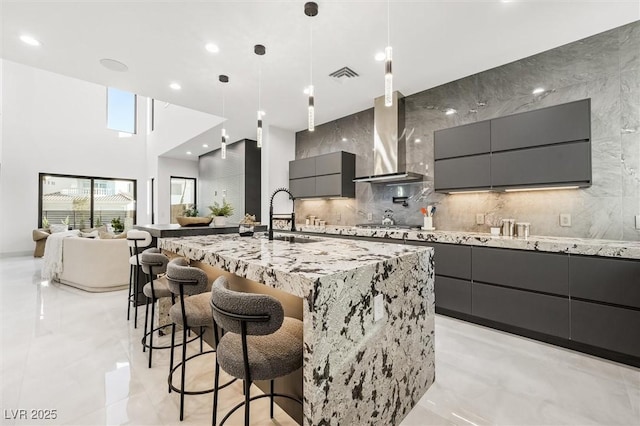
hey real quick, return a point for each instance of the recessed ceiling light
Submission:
(538, 90)
(29, 40)
(450, 111)
(188, 152)
(262, 113)
(175, 86)
(306, 91)
(344, 139)
(213, 48)
(113, 65)
(418, 140)
(204, 145)
(380, 56)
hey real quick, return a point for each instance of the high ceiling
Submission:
(162, 42)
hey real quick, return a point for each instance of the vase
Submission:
(219, 221)
(495, 231)
(428, 224)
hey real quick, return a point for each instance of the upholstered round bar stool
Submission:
(136, 239)
(154, 264)
(192, 310)
(259, 342)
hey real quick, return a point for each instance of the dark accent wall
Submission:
(604, 67)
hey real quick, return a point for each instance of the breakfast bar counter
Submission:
(359, 367)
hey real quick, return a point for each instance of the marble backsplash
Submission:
(604, 67)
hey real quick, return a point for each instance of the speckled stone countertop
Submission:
(583, 246)
(356, 371)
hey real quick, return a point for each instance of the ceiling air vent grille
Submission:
(344, 74)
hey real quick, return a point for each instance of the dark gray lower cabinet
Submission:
(608, 327)
(453, 294)
(598, 279)
(543, 272)
(531, 311)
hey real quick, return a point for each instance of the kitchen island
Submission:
(356, 370)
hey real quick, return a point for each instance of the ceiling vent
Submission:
(344, 74)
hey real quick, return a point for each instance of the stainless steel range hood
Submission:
(389, 144)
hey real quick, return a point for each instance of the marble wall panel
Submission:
(604, 68)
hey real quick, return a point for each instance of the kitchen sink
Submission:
(296, 238)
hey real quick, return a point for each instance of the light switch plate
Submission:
(638, 221)
(565, 219)
(369, 216)
(378, 307)
(479, 219)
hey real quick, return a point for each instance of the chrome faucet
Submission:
(293, 212)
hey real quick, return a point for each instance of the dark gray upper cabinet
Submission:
(474, 138)
(545, 165)
(568, 122)
(328, 175)
(545, 147)
(302, 168)
(473, 172)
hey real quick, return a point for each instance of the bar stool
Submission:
(192, 310)
(136, 240)
(153, 263)
(260, 343)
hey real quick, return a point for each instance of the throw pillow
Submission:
(92, 234)
(58, 228)
(105, 235)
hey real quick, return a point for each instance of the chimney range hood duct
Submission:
(389, 144)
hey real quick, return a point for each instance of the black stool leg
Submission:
(130, 287)
(216, 382)
(146, 321)
(184, 365)
(173, 340)
(247, 384)
(271, 398)
(135, 297)
(153, 309)
(201, 333)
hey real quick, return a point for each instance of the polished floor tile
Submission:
(74, 352)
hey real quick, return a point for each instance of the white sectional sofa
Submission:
(95, 265)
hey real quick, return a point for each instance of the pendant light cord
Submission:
(311, 54)
(388, 23)
(259, 84)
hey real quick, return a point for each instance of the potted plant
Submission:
(220, 213)
(117, 224)
(190, 217)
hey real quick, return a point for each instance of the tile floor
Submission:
(74, 352)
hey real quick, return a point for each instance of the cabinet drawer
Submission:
(474, 138)
(463, 173)
(453, 294)
(605, 280)
(452, 260)
(558, 164)
(329, 185)
(304, 167)
(545, 272)
(609, 327)
(329, 164)
(561, 123)
(301, 188)
(531, 311)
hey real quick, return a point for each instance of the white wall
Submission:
(168, 167)
(57, 124)
(279, 147)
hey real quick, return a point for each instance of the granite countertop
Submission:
(583, 246)
(254, 257)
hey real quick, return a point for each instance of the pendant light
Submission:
(311, 10)
(259, 50)
(223, 143)
(388, 75)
